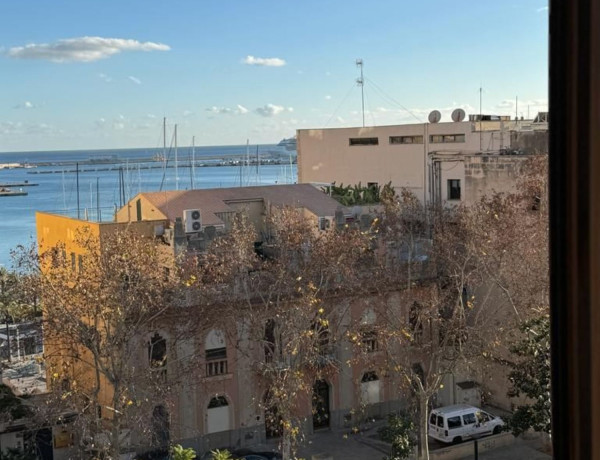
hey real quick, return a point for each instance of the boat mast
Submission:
(98, 214)
(247, 162)
(193, 160)
(176, 173)
(77, 175)
(257, 166)
(165, 142)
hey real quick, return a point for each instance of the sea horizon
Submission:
(102, 185)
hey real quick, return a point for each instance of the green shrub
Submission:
(400, 433)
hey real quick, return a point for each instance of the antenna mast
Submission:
(361, 82)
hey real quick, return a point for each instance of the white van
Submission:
(459, 422)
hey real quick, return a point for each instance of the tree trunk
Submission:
(114, 448)
(286, 445)
(423, 444)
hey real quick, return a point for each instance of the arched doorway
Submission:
(272, 418)
(217, 415)
(160, 427)
(320, 405)
(370, 387)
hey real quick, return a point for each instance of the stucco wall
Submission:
(486, 174)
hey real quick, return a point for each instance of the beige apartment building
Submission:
(445, 162)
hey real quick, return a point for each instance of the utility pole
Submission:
(361, 82)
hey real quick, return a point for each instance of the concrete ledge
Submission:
(465, 449)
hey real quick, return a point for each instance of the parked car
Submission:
(459, 422)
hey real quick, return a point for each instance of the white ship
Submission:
(289, 144)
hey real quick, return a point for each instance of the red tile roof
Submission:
(212, 201)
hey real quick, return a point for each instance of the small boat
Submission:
(5, 191)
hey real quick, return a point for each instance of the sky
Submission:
(102, 75)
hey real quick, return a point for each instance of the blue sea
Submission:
(103, 187)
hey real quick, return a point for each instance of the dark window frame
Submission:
(454, 189)
(363, 141)
(457, 138)
(404, 140)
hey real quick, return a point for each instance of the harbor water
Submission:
(107, 178)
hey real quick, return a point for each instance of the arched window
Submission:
(157, 351)
(368, 333)
(269, 341)
(272, 418)
(215, 350)
(370, 387)
(218, 415)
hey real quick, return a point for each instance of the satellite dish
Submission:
(435, 116)
(458, 115)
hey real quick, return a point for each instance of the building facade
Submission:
(435, 161)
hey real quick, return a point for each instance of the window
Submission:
(369, 341)
(215, 353)
(446, 138)
(482, 417)
(406, 139)
(269, 340)
(454, 189)
(364, 141)
(432, 419)
(157, 355)
(218, 401)
(454, 422)
(469, 419)
(414, 321)
(440, 421)
(73, 261)
(80, 262)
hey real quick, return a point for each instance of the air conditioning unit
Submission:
(325, 223)
(192, 220)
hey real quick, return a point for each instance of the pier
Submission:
(18, 184)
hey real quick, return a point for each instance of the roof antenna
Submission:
(361, 82)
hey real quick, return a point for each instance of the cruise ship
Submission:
(289, 144)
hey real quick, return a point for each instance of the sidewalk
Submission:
(343, 446)
(521, 449)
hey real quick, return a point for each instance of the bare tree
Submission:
(282, 297)
(107, 359)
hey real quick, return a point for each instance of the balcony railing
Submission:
(216, 367)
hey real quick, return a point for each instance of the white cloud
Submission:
(24, 105)
(82, 49)
(17, 128)
(268, 62)
(271, 110)
(543, 8)
(187, 113)
(328, 97)
(104, 77)
(239, 110)
(135, 80)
